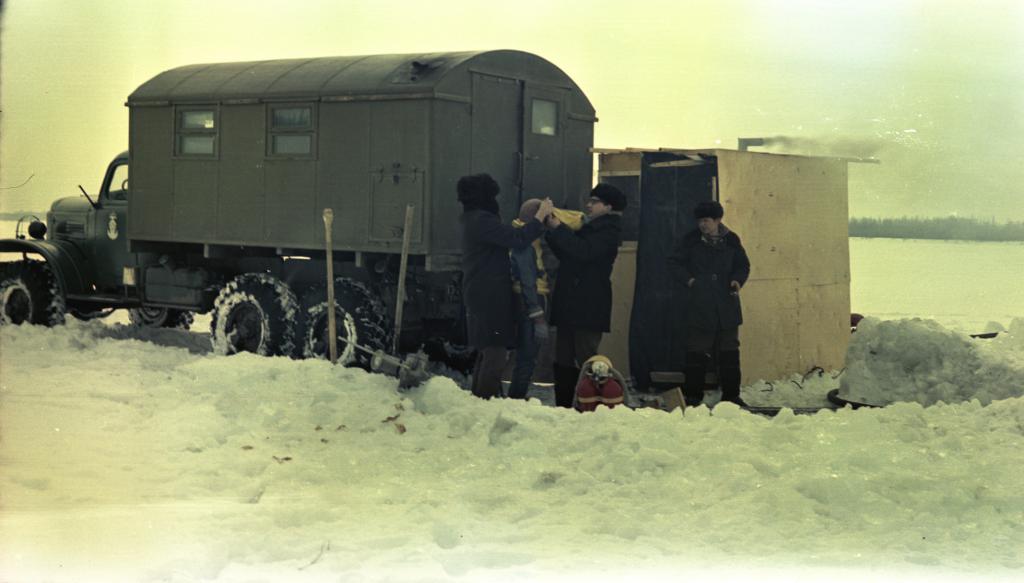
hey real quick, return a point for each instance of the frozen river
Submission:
(961, 284)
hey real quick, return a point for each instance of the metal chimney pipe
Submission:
(743, 144)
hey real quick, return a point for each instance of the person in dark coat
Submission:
(714, 267)
(581, 305)
(486, 276)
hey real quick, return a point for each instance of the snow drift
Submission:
(128, 461)
(920, 361)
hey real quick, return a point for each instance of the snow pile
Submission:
(920, 361)
(127, 461)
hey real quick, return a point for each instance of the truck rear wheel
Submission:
(255, 312)
(29, 293)
(361, 320)
(154, 317)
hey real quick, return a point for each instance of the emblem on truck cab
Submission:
(112, 226)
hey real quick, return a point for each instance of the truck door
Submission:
(110, 227)
(497, 132)
(544, 144)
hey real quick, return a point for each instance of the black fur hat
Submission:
(609, 195)
(477, 190)
(708, 209)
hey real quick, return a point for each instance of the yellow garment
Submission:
(543, 288)
(571, 219)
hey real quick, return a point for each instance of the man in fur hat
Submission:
(581, 305)
(714, 267)
(486, 276)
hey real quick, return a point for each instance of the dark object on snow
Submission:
(833, 397)
(410, 371)
(773, 411)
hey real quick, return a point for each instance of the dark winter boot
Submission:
(693, 386)
(729, 376)
(565, 384)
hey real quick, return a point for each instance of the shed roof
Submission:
(322, 77)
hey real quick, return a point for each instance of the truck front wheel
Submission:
(28, 293)
(255, 312)
(153, 317)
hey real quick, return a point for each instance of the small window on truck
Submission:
(544, 117)
(196, 134)
(291, 131)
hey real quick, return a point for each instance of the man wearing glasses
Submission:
(581, 305)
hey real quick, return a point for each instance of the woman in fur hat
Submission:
(486, 276)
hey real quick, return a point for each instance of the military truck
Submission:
(232, 164)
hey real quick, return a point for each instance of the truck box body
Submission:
(249, 154)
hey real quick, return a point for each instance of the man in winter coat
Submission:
(486, 276)
(581, 305)
(714, 267)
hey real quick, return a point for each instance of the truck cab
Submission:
(98, 229)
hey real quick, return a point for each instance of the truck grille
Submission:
(75, 228)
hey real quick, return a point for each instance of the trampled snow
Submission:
(131, 455)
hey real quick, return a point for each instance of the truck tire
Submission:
(29, 293)
(361, 320)
(255, 312)
(154, 317)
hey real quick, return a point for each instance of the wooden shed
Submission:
(792, 215)
(248, 154)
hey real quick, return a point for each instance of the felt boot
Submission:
(565, 384)
(729, 376)
(693, 385)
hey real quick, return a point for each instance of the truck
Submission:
(217, 205)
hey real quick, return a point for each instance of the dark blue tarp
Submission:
(667, 198)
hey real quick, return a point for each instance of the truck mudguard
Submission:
(65, 259)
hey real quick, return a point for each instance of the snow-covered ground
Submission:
(135, 455)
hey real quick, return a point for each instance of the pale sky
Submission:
(934, 88)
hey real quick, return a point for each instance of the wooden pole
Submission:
(400, 300)
(332, 324)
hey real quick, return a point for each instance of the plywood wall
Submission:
(791, 213)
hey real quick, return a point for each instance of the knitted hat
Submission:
(529, 209)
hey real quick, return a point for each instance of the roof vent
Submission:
(417, 70)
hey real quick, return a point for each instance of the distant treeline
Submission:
(937, 228)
